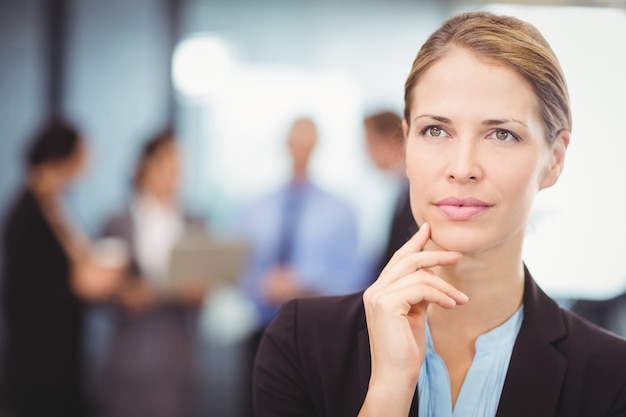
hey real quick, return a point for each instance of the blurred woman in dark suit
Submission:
(49, 275)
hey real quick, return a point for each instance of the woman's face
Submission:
(476, 154)
(163, 170)
(74, 165)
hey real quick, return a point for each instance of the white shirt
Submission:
(157, 227)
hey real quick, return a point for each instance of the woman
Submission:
(49, 275)
(148, 367)
(455, 324)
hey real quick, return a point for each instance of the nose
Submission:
(464, 163)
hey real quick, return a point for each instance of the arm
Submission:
(37, 269)
(395, 310)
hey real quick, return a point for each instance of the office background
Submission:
(231, 76)
(246, 68)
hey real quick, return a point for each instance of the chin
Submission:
(460, 238)
(464, 246)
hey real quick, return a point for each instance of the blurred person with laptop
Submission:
(149, 365)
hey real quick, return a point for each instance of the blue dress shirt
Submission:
(480, 393)
(323, 243)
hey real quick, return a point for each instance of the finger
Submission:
(422, 277)
(426, 277)
(411, 262)
(415, 244)
(399, 301)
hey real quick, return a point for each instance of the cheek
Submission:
(517, 185)
(422, 165)
(424, 175)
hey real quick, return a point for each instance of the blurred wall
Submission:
(21, 83)
(117, 91)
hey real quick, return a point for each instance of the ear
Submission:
(405, 128)
(405, 132)
(556, 160)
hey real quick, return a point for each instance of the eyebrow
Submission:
(489, 122)
(430, 116)
(497, 122)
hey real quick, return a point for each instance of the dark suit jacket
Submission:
(43, 316)
(314, 360)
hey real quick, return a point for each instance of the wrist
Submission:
(388, 399)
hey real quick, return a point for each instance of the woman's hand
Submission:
(395, 308)
(136, 295)
(93, 281)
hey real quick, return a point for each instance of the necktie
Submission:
(292, 206)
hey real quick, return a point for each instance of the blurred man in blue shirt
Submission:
(304, 240)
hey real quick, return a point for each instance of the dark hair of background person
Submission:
(55, 141)
(385, 123)
(152, 146)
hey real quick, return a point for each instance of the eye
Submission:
(433, 131)
(503, 135)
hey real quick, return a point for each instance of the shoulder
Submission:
(341, 311)
(576, 338)
(117, 223)
(596, 367)
(590, 341)
(23, 214)
(333, 317)
(194, 221)
(328, 201)
(267, 201)
(314, 356)
(23, 203)
(317, 329)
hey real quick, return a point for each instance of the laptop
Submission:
(198, 260)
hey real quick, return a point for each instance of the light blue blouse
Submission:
(480, 393)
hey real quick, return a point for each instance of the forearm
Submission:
(387, 400)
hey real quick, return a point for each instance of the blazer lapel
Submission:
(536, 371)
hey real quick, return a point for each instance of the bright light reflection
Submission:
(200, 65)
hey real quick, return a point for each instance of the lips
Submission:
(462, 208)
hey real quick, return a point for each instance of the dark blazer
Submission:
(43, 317)
(314, 360)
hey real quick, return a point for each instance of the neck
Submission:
(162, 197)
(299, 175)
(44, 185)
(493, 281)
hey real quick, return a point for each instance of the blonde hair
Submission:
(507, 41)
